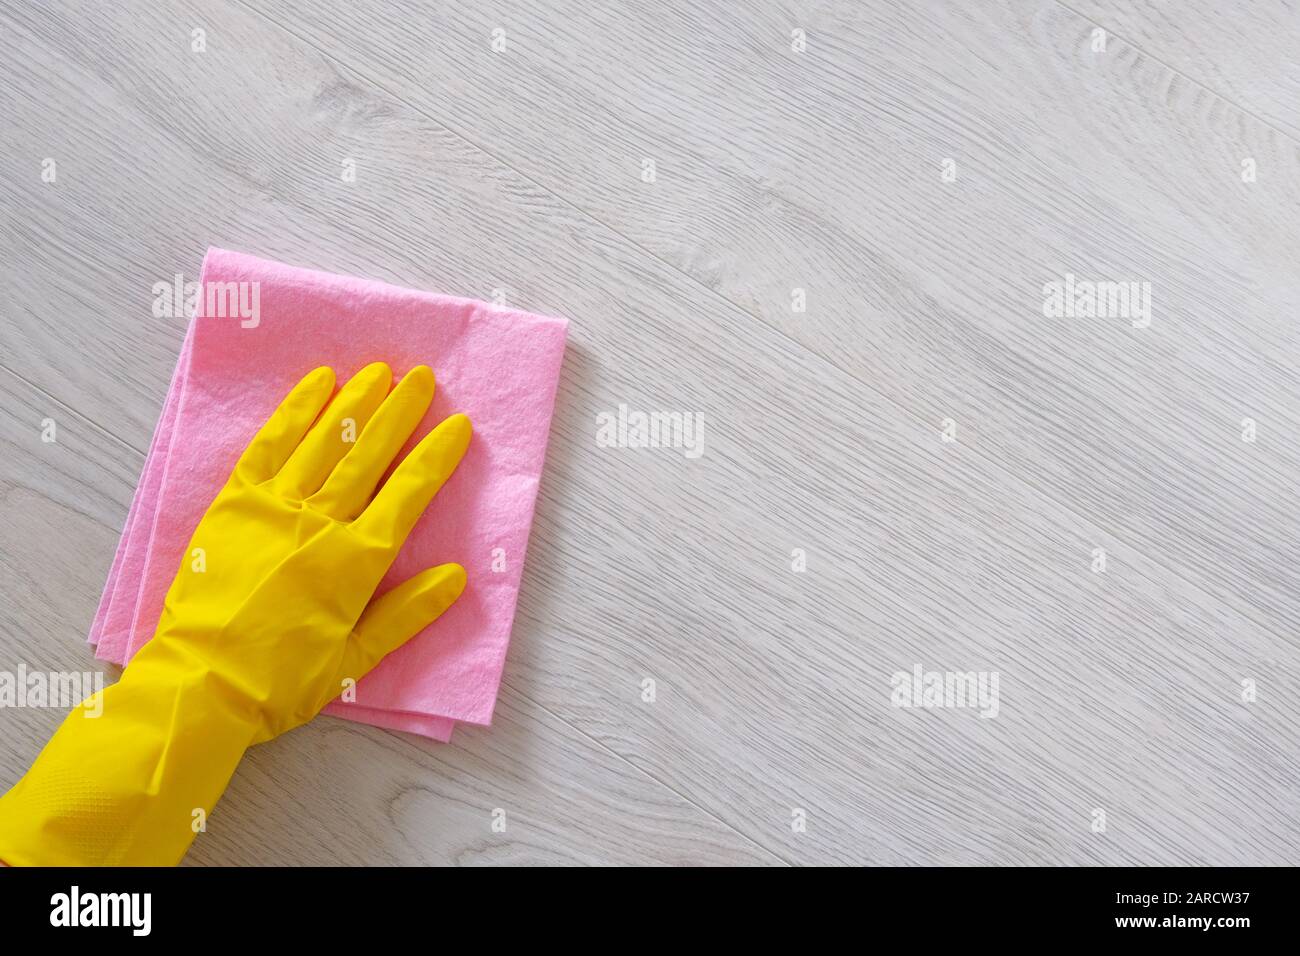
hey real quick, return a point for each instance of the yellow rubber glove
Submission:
(270, 613)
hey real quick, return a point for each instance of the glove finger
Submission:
(335, 433)
(408, 491)
(395, 617)
(276, 440)
(349, 487)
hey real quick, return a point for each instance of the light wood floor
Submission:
(912, 178)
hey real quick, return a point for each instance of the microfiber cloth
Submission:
(499, 366)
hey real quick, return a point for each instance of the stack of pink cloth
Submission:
(258, 328)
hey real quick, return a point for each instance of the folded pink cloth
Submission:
(498, 366)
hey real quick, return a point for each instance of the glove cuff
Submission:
(125, 788)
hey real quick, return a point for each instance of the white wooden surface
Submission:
(775, 170)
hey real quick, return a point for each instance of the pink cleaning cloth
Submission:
(499, 366)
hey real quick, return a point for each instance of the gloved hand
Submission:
(270, 614)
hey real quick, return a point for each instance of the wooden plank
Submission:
(1246, 55)
(821, 171)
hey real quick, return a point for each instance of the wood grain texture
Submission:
(775, 171)
(1248, 57)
